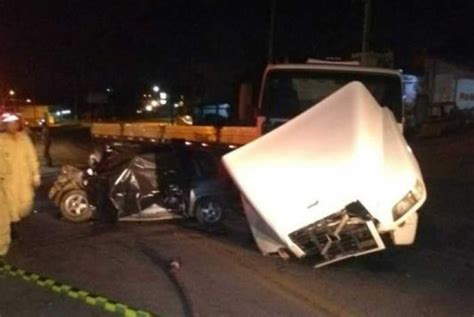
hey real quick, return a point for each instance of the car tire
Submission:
(63, 189)
(210, 211)
(75, 206)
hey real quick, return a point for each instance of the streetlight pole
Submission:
(366, 30)
(271, 31)
(2, 96)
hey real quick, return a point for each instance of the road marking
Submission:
(74, 293)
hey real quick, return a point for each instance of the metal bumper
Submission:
(338, 237)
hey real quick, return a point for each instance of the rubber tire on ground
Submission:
(66, 201)
(205, 219)
(62, 190)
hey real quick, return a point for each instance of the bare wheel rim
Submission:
(211, 212)
(76, 205)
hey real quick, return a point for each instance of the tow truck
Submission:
(360, 133)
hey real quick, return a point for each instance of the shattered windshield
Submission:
(290, 92)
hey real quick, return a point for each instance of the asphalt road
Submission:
(24, 299)
(223, 274)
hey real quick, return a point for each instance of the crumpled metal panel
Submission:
(133, 184)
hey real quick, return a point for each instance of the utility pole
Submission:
(366, 30)
(2, 88)
(32, 75)
(271, 31)
(2, 97)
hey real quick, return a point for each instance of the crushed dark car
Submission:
(146, 183)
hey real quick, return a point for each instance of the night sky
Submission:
(56, 50)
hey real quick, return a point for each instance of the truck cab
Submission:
(290, 89)
(331, 172)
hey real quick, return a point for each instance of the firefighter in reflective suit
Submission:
(21, 169)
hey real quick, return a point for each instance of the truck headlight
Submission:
(409, 200)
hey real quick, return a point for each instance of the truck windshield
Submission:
(288, 93)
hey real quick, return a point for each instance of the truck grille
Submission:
(338, 236)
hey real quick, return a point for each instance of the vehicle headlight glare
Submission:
(64, 170)
(409, 200)
(93, 159)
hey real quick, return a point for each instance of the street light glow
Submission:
(28, 100)
(156, 88)
(163, 101)
(154, 103)
(149, 108)
(163, 95)
(179, 104)
(11, 92)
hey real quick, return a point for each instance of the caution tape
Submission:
(74, 293)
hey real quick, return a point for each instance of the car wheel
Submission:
(75, 206)
(209, 211)
(61, 189)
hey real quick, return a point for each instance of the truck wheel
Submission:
(209, 211)
(75, 206)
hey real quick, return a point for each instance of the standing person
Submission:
(46, 132)
(21, 160)
(4, 208)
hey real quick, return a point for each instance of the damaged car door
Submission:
(152, 186)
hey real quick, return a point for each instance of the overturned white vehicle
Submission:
(331, 181)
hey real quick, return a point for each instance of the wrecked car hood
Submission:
(345, 149)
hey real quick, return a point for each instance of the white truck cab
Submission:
(334, 171)
(289, 89)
